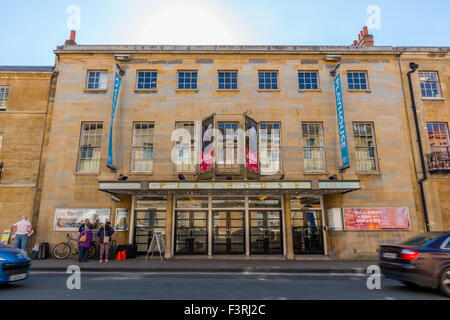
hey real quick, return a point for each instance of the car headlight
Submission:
(2, 259)
(24, 253)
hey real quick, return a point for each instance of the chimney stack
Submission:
(71, 41)
(364, 39)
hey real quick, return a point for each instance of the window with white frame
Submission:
(268, 80)
(228, 80)
(308, 80)
(186, 151)
(187, 80)
(146, 79)
(313, 147)
(142, 153)
(429, 85)
(357, 80)
(366, 157)
(90, 147)
(4, 94)
(438, 138)
(227, 147)
(269, 147)
(97, 80)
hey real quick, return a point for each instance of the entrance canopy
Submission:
(228, 187)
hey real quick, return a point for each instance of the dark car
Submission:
(14, 264)
(423, 260)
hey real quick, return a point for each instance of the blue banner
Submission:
(117, 82)
(341, 122)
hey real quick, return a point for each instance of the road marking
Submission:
(134, 274)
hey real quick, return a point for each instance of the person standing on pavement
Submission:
(104, 235)
(84, 242)
(23, 230)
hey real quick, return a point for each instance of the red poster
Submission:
(207, 155)
(376, 219)
(251, 144)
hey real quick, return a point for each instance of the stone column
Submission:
(132, 219)
(169, 226)
(288, 227)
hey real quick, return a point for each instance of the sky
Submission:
(32, 29)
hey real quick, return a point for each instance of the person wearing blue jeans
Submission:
(23, 230)
(83, 254)
(21, 241)
(84, 242)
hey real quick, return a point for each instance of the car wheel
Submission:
(444, 282)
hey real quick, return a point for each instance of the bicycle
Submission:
(64, 249)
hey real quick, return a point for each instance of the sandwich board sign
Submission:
(157, 244)
(5, 236)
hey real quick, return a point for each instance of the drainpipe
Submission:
(414, 67)
(39, 177)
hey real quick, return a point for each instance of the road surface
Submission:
(193, 286)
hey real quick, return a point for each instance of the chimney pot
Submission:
(71, 41)
(366, 31)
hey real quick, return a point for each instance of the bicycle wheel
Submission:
(92, 251)
(61, 250)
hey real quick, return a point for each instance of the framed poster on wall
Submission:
(376, 219)
(121, 220)
(70, 219)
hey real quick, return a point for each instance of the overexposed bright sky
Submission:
(32, 29)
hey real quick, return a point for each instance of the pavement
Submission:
(206, 265)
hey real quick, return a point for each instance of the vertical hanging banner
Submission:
(341, 122)
(117, 82)
(207, 152)
(251, 144)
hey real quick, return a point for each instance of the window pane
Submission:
(142, 153)
(313, 153)
(365, 147)
(269, 144)
(90, 147)
(268, 80)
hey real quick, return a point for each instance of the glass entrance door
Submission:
(307, 232)
(191, 232)
(228, 232)
(265, 232)
(147, 223)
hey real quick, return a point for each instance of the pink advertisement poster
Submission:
(251, 144)
(376, 219)
(207, 155)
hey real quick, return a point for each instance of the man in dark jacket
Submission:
(83, 226)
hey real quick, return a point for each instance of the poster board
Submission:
(121, 220)
(376, 219)
(70, 219)
(5, 236)
(207, 145)
(157, 244)
(251, 144)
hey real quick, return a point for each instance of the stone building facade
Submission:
(303, 202)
